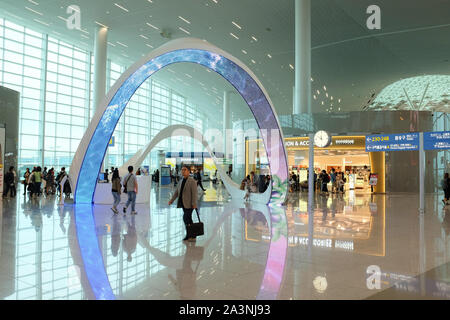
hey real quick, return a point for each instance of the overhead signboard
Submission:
(337, 143)
(436, 140)
(392, 142)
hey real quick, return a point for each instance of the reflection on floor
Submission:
(352, 246)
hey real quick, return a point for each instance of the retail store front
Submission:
(194, 160)
(345, 154)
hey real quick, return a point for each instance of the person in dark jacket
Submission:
(187, 196)
(9, 183)
(198, 178)
(445, 184)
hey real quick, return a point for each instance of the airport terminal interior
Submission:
(310, 137)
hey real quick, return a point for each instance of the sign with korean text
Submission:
(392, 142)
(436, 140)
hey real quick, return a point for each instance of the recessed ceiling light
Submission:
(236, 25)
(187, 21)
(318, 92)
(245, 52)
(291, 66)
(324, 88)
(41, 22)
(234, 36)
(119, 6)
(215, 1)
(85, 36)
(123, 45)
(111, 44)
(142, 36)
(269, 55)
(33, 2)
(185, 31)
(253, 61)
(149, 45)
(150, 1)
(253, 37)
(101, 24)
(62, 18)
(188, 75)
(150, 25)
(37, 12)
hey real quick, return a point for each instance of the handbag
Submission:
(125, 184)
(196, 229)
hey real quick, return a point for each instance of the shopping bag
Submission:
(196, 229)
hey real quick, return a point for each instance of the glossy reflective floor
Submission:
(352, 246)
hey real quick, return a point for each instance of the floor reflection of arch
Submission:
(92, 148)
(187, 131)
(93, 271)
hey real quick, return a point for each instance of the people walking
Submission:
(36, 180)
(9, 183)
(131, 189)
(116, 190)
(334, 186)
(198, 177)
(325, 178)
(26, 176)
(187, 195)
(49, 187)
(445, 184)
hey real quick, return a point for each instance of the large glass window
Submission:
(55, 81)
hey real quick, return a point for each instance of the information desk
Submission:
(103, 193)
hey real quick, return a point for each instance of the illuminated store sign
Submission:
(436, 140)
(392, 142)
(337, 142)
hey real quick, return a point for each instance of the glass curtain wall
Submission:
(55, 78)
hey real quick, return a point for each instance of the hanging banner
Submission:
(2, 157)
(436, 140)
(392, 142)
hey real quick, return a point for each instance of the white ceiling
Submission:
(351, 61)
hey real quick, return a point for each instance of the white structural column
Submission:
(100, 60)
(302, 96)
(100, 66)
(226, 122)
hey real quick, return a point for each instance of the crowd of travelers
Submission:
(36, 182)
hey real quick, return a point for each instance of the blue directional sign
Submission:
(392, 142)
(436, 140)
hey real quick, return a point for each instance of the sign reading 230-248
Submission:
(392, 142)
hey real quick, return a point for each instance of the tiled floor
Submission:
(59, 252)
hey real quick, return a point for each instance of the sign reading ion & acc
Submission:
(392, 142)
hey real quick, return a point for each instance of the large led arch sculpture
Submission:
(91, 151)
